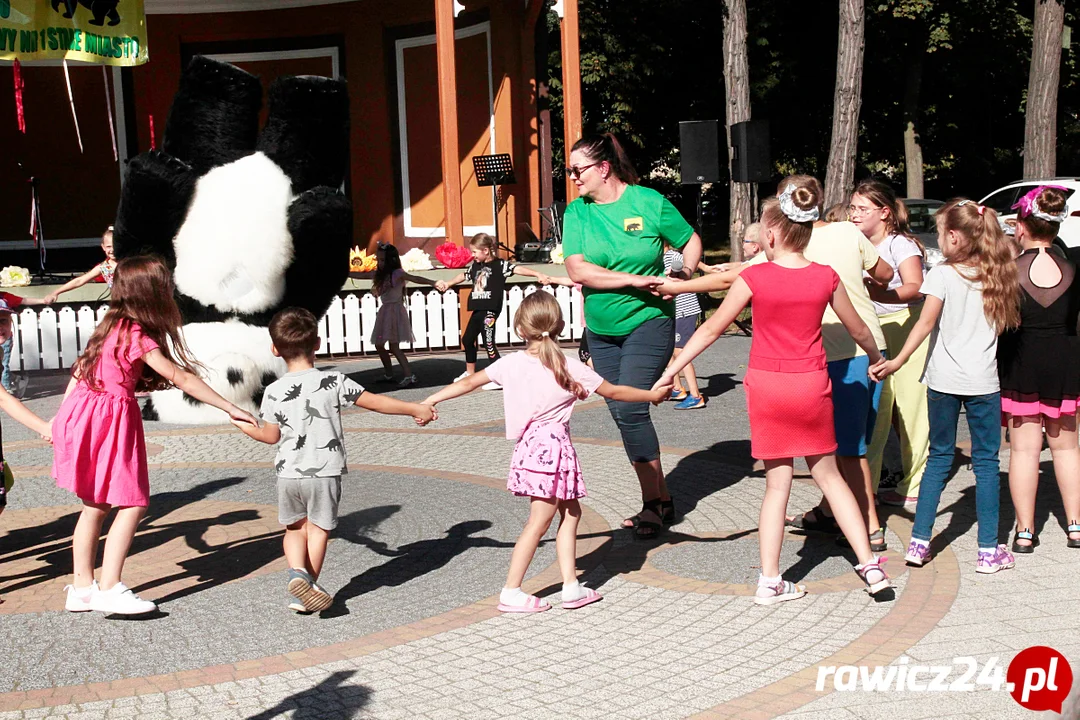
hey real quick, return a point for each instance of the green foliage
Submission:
(647, 64)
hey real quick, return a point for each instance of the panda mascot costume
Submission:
(248, 222)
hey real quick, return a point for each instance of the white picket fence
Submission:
(47, 339)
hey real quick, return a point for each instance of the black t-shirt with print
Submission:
(489, 283)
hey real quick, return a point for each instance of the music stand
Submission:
(493, 171)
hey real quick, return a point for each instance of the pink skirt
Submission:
(545, 464)
(392, 324)
(99, 451)
(1029, 406)
(791, 413)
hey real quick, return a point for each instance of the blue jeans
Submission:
(984, 423)
(5, 376)
(637, 360)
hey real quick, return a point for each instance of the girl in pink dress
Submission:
(98, 444)
(788, 393)
(540, 387)
(392, 323)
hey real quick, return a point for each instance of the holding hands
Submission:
(884, 368)
(425, 413)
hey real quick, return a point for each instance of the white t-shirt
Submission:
(963, 346)
(894, 250)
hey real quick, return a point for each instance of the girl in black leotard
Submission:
(1039, 366)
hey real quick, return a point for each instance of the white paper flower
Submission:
(416, 260)
(14, 276)
(556, 255)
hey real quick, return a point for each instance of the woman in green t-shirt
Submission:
(613, 241)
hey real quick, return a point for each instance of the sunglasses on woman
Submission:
(575, 171)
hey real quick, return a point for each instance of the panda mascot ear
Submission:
(250, 223)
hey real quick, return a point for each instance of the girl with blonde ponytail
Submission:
(970, 300)
(540, 386)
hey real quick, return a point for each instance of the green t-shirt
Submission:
(628, 236)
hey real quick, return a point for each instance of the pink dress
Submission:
(99, 451)
(392, 323)
(538, 411)
(788, 392)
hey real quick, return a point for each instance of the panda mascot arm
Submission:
(249, 223)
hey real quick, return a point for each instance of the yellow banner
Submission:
(106, 32)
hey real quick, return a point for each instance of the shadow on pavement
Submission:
(411, 561)
(331, 698)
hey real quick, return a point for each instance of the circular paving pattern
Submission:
(425, 536)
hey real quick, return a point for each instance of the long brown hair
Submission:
(806, 196)
(539, 319)
(607, 148)
(990, 254)
(142, 293)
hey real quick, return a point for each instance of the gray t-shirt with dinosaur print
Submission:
(306, 405)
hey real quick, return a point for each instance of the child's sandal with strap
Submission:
(874, 575)
(781, 591)
(1074, 527)
(1025, 534)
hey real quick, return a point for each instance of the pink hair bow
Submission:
(1028, 205)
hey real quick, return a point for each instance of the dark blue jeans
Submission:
(984, 423)
(637, 360)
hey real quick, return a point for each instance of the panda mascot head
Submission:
(249, 222)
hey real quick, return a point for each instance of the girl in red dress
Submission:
(788, 394)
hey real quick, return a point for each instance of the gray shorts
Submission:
(684, 328)
(313, 498)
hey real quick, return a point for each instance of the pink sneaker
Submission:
(1000, 559)
(917, 554)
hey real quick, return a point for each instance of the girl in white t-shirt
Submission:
(970, 299)
(883, 219)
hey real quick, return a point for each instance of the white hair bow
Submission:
(793, 213)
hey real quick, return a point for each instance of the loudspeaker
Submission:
(699, 151)
(750, 160)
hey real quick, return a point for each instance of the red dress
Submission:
(788, 393)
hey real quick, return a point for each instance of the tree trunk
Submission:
(736, 109)
(913, 160)
(1040, 117)
(840, 173)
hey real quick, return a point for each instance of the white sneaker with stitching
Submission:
(120, 600)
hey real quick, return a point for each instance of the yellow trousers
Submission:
(905, 392)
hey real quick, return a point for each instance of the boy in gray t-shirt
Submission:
(302, 416)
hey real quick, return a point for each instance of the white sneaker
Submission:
(462, 376)
(80, 602)
(491, 386)
(120, 600)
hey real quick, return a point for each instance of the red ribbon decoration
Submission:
(19, 85)
(153, 144)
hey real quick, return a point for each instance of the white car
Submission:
(1002, 201)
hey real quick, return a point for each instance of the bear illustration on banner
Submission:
(249, 222)
(101, 9)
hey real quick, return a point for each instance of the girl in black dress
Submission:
(1039, 366)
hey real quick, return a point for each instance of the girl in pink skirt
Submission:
(99, 451)
(392, 323)
(540, 388)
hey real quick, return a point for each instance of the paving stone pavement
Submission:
(421, 552)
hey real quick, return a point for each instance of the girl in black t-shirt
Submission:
(488, 274)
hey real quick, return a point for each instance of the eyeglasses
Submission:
(857, 210)
(575, 172)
